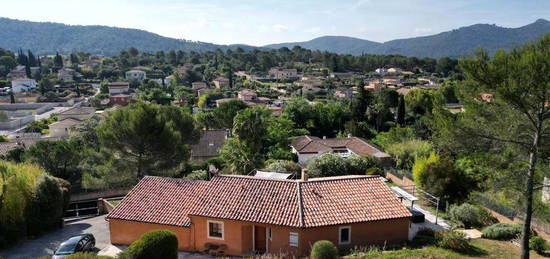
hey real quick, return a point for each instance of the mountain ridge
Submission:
(49, 37)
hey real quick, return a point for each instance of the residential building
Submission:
(78, 113)
(118, 99)
(210, 142)
(136, 75)
(247, 215)
(118, 88)
(247, 95)
(66, 74)
(375, 85)
(198, 85)
(18, 72)
(221, 82)
(283, 73)
(394, 70)
(391, 80)
(343, 92)
(63, 128)
(307, 147)
(381, 71)
(22, 85)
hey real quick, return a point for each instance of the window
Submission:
(293, 239)
(344, 235)
(215, 229)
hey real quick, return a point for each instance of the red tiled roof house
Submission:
(242, 215)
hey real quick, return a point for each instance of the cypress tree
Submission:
(401, 111)
(32, 60)
(28, 71)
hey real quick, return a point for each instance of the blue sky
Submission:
(259, 22)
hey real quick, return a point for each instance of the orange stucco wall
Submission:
(125, 232)
(238, 235)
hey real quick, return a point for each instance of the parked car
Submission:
(75, 244)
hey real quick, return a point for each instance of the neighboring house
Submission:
(404, 91)
(198, 85)
(245, 215)
(221, 82)
(391, 80)
(209, 143)
(25, 143)
(381, 71)
(427, 80)
(307, 147)
(395, 70)
(247, 95)
(118, 88)
(118, 99)
(66, 74)
(283, 73)
(63, 128)
(342, 92)
(18, 72)
(79, 113)
(135, 75)
(22, 85)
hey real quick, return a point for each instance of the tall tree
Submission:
(58, 60)
(401, 111)
(32, 60)
(155, 139)
(517, 118)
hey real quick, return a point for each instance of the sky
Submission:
(260, 22)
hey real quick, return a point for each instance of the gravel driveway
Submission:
(46, 244)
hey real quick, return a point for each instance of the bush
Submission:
(331, 164)
(88, 256)
(46, 206)
(324, 249)
(501, 231)
(468, 216)
(284, 166)
(453, 240)
(538, 244)
(198, 175)
(424, 237)
(155, 244)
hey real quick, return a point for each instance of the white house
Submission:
(135, 75)
(63, 128)
(22, 85)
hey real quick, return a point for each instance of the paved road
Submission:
(46, 244)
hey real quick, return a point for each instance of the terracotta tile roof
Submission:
(359, 146)
(313, 203)
(159, 200)
(317, 202)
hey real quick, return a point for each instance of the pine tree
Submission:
(401, 111)
(32, 60)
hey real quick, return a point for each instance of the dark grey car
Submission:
(75, 244)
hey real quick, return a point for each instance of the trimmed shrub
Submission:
(468, 216)
(453, 240)
(502, 231)
(538, 244)
(46, 206)
(323, 249)
(155, 244)
(88, 256)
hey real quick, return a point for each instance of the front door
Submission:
(259, 239)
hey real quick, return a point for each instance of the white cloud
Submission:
(280, 28)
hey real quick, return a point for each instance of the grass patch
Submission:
(482, 248)
(114, 202)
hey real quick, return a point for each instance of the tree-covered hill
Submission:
(453, 43)
(47, 38)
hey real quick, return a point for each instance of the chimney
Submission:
(305, 176)
(349, 135)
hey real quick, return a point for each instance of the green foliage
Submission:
(46, 206)
(82, 255)
(453, 240)
(155, 244)
(324, 249)
(152, 139)
(471, 216)
(284, 166)
(404, 153)
(424, 237)
(331, 164)
(39, 125)
(502, 231)
(60, 158)
(17, 187)
(238, 157)
(538, 244)
(221, 117)
(439, 176)
(198, 175)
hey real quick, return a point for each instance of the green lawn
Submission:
(484, 248)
